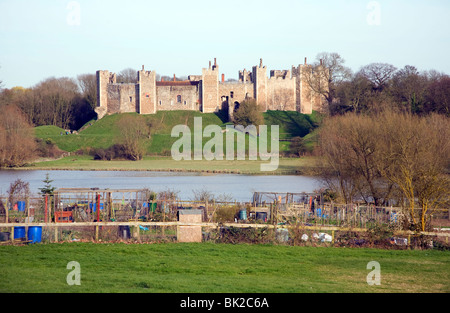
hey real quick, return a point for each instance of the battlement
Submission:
(208, 92)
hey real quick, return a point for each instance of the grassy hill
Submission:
(103, 133)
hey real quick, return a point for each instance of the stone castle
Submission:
(286, 90)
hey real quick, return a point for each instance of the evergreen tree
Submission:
(48, 189)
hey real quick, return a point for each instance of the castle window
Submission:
(131, 99)
(179, 99)
(231, 94)
(160, 102)
(184, 102)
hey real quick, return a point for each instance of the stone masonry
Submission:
(285, 90)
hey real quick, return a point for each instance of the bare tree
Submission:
(438, 95)
(88, 86)
(385, 154)
(326, 74)
(409, 89)
(127, 76)
(18, 190)
(55, 99)
(17, 145)
(378, 74)
(134, 131)
(350, 146)
(416, 153)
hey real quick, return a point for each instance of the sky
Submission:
(59, 38)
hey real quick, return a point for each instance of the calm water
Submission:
(239, 187)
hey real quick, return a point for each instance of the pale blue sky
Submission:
(38, 40)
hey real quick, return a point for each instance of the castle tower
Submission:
(210, 88)
(307, 99)
(104, 78)
(147, 91)
(260, 81)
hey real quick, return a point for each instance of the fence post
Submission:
(7, 209)
(98, 207)
(45, 208)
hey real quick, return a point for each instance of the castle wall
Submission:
(122, 98)
(177, 97)
(284, 90)
(236, 91)
(281, 93)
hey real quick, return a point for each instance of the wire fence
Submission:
(130, 216)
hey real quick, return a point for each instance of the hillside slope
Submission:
(103, 133)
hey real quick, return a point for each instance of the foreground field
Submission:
(212, 268)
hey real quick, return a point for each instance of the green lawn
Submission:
(211, 268)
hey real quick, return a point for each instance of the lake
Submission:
(239, 187)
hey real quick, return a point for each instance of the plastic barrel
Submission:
(93, 206)
(19, 232)
(21, 206)
(35, 234)
(152, 206)
(243, 214)
(319, 212)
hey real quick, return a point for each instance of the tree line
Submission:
(389, 158)
(378, 86)
(64, 102)
(384, 139)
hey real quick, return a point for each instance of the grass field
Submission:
(304, 165)
(211, 268)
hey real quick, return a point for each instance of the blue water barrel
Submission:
(19, 232)
(35, 234)
(93, 206)
(319, 212)
(21, 206)
(243, 214)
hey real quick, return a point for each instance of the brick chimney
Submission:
(173, 77)
(223, 77)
